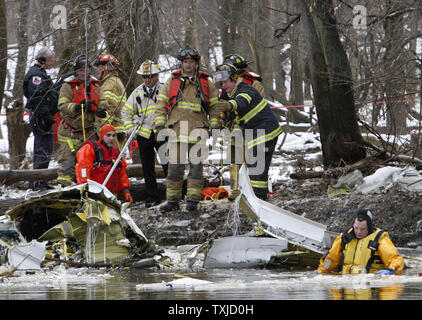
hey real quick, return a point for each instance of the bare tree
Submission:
(3, 48)
(332, 86)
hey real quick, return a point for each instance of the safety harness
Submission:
(178, 84)
(372, 245)
(250, 77)
(99, 156)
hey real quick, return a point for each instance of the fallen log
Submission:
(340, 171)
(9, 177)
(335, 172)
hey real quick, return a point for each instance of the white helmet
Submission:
(148, 67)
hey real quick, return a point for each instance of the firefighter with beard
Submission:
(79, 107)
(108, 75)
(95, 160)
(250, 116)
(187, 101)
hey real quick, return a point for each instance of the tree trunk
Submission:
(3, 49)
(9, 177)
(133, 38)
(234, 27)
(348, 139)
(18, 133)
(395, 86)
(332, 87)
(72, 39)
(22, 49)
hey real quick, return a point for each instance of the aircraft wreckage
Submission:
(85, 225)
(280, 237)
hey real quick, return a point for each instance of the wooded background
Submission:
(323, 51)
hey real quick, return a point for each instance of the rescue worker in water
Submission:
(95, 160)
(362, 249)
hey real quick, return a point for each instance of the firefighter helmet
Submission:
(149, 67)
(188, 52)
(107, 59)
(225, 71)
(80, 62)
(238, 61)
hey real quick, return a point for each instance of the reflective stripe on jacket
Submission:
(140, 109)
(71, 93)
(187, 109)
(253, 112)
(115, 93)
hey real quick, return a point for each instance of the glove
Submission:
(228, 117)
(88, 106)
(386, 271)
(127, 197)
(77, 108)
(101, 113)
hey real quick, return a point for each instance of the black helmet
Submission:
(188, 52)
(236, 60)
(80, 61)
(225, 71)
(365, 214)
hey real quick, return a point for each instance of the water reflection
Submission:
(231, 284)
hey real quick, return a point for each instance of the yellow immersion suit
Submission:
(367, 255)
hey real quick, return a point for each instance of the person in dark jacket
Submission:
(42, 98)
(249, 113)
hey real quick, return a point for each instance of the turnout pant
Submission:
(147, 151)
(176, 170)
(70, 141)
(259, 180)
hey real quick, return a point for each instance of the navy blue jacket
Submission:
(253, 112)
(40, 91)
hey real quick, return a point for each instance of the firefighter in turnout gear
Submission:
(95, 160)
(362, 249)
(79, 106)
(139, 110)
(187, 101)
(249, 114)
(42, 96)
(108, 75)
(251, 78)
(255, 80)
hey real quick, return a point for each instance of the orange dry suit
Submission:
(95, 161)
(367, 255)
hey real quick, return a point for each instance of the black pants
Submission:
(147, 150)
(260, 181)
(43, 149)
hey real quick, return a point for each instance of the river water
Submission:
(224, 284)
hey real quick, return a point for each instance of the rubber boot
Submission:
(169, 206)
(234, 182)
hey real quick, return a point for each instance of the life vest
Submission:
(360, 256)
(103, 162)
(92, 93)
(250, 77)
(177, 85)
